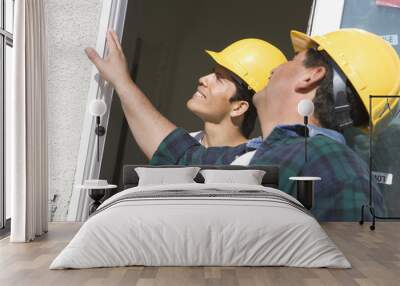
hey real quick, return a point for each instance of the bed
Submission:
(201, 224)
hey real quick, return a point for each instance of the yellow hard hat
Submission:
(250, 59)
(369, 62)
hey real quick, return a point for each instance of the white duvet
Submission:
(206, 230)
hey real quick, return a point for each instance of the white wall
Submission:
(71, 26)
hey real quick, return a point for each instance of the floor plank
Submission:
(374, 255)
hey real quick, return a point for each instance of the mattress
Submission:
(201, 225)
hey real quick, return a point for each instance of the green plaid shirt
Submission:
(345, 177)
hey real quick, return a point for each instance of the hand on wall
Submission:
(113, 68)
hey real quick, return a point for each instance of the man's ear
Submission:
(310, 79)
(239, 108)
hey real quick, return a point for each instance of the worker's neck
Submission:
(222, 134)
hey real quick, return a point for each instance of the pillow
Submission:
(162, 176)
(248, 177)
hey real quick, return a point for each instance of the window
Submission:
(6, 63)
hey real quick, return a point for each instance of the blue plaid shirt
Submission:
(345, 177)
(312, 131)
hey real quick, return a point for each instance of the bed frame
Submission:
(130, 178)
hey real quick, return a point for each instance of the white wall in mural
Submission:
(71, 26)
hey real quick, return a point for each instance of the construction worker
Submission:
(337, 71)
(223, 100)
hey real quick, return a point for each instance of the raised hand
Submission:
(113, 68)
(149, 127)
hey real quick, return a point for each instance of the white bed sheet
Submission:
(191, 231)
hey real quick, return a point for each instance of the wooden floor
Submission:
(375, 256)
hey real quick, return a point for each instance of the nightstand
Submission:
(305, 190)
(96, 193)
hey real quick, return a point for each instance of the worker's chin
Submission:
(196, 109)
(195, 105)
(256, 99)
(259, 97)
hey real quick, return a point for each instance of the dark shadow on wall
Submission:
(171, 37)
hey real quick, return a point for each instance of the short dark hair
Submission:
(324, 98)
(243, 93)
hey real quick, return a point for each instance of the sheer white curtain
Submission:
(26, 124)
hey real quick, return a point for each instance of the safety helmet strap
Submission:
(341, 89)
(341, 103)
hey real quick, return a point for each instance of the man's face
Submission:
(211, 102)
(282, 83)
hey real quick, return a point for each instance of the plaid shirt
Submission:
(345, 177)
(179, 148)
